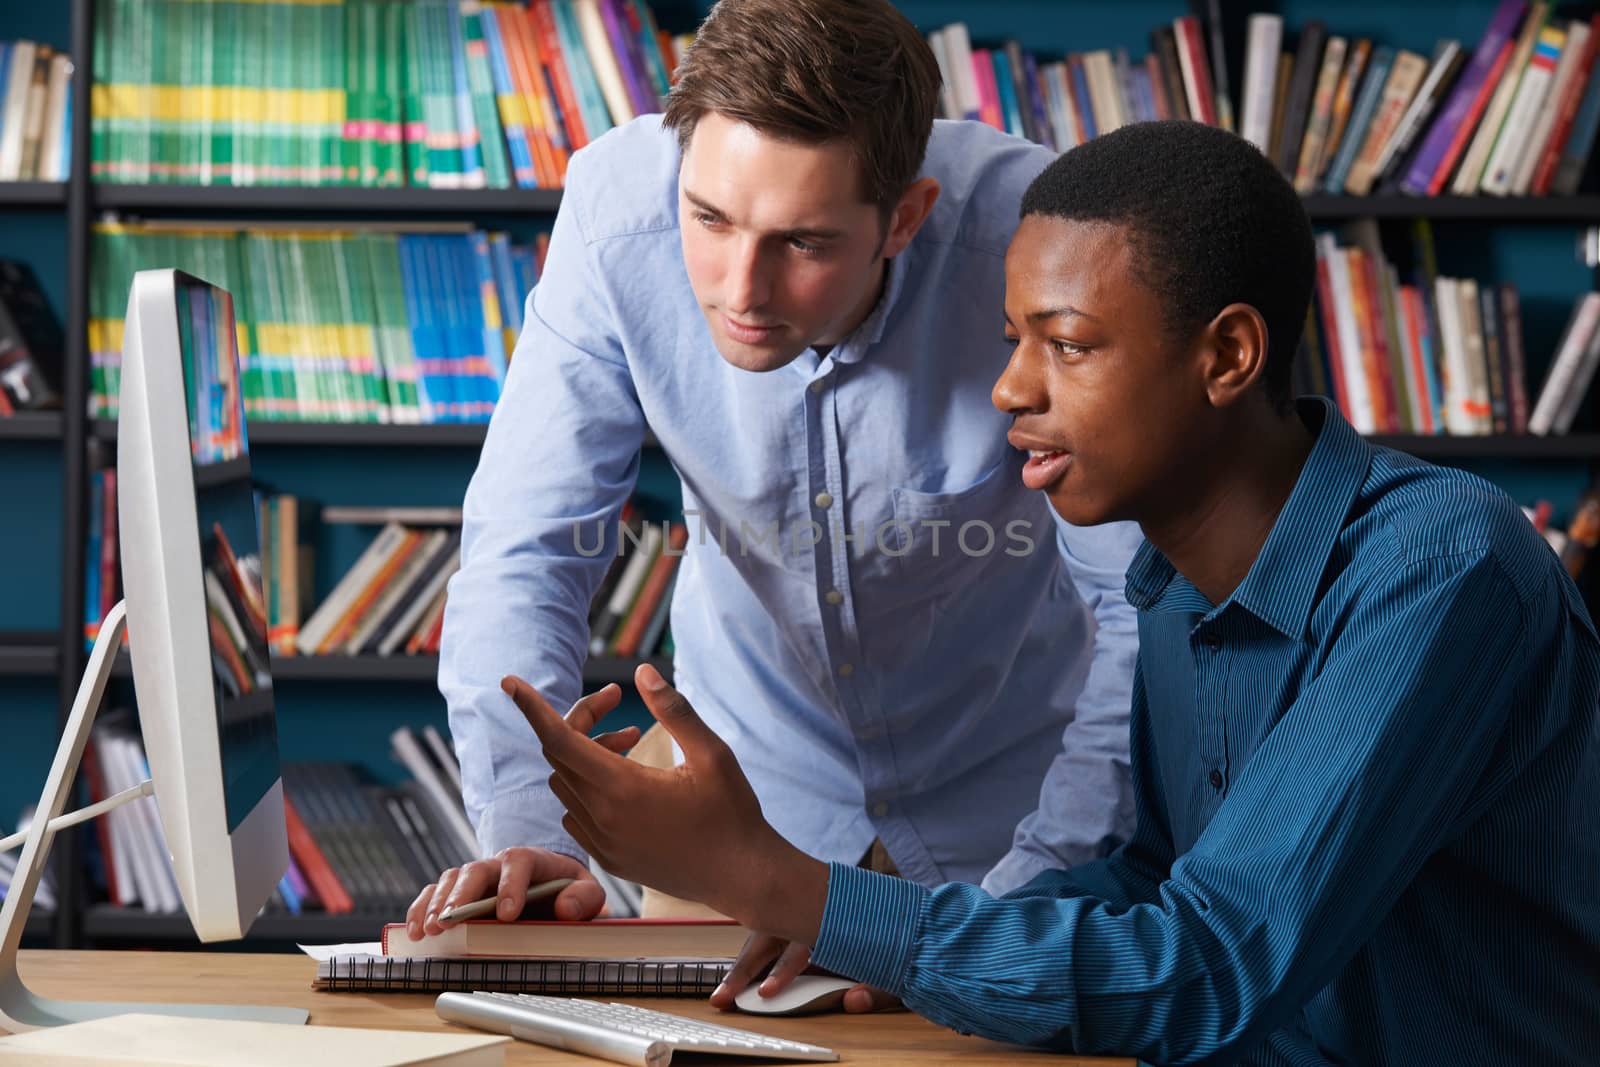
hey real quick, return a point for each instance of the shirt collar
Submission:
(1282, 582)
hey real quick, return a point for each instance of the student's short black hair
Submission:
(1211, 221)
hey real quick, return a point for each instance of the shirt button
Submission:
(833, 596)
(1216, 778)
(824, 500)
(846, 669)
(1211, 641)
(880, 809)
(818, 386)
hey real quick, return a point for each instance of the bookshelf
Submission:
(33, 194)
(31, 426)
(60, 442)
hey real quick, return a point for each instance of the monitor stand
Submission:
(21, 1008)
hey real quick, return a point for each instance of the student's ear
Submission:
(1237, 353)
(909, 213)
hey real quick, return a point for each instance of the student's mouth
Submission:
(1047, 460)
(1044, 469)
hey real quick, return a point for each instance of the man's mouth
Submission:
(749, 335)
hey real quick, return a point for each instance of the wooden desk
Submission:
(891, 1038)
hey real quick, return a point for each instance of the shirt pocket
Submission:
(941, 541)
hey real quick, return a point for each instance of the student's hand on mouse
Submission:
(694, 831)
(507, 874)
(782, 961)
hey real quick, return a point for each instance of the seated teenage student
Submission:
(1364, 736)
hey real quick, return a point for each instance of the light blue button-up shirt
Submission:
(895, 637)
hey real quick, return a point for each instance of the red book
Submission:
(655, 586)
(542, 23)
(1464, 132)
(109, 571)
(1191, 46)
(597, 939)
(102, 825)
(313, 864)
(523, 61)
(1411, 316)
(1546, 171)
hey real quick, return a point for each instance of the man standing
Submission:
(793, 278)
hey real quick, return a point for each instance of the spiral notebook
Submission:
(560, 976)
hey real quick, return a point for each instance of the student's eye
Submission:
(804, 248)
(1067, 348)
(1011, 340)
(705, 218)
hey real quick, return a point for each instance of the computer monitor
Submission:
(197, 627)
(197, 624)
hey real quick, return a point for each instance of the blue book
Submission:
(1360, 118)
(91, 555)
(516, 136)
(1041, 112)
(430, 396)
(505, 282)
(1081, 97)
(1008, 95)
(471, 157)
(591, 101)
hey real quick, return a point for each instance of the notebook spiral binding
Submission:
(634, 978)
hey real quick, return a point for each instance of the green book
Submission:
(485, 109)
(444, 134)
(391, 92)
(223, 75)
(414, 115)
(394, 327)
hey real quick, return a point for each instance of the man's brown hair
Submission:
(815, 71)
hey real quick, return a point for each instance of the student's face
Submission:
(1094, 382)
(781, 248)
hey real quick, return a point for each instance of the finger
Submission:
(672, 711)
(864, 998)
(430, 920)
(516, 874)
(758, 953)
(418, 911)
(619, 741)
(475, 881)
(580, 901)
(591, 709)
(563, 745)
(791, 962)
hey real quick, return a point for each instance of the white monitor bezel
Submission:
(169, 636)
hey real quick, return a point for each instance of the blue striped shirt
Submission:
(1366, 789)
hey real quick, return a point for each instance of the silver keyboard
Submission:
(618, 1032)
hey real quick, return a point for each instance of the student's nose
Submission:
(748, 287)
(1020, 388)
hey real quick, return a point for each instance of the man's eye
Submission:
(1067, 348)
(1012, 341)
(803, 247)
(705, 218)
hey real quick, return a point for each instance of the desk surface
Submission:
(890, 1038)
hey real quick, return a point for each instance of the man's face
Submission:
(1101, 397)
(782, 250)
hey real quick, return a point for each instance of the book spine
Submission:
(1501, 26)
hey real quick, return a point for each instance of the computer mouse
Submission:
(808, 993)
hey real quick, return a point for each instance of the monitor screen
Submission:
(236, 609)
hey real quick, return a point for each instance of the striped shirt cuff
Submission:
(868, 926)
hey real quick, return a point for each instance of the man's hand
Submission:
(507, 875)
(792, 959)
(694, 831)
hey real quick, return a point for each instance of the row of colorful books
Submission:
(341, 324)
(355, 845)
(1515, 115)
(428, 93)
(391, 600)
(1429, 354)
(629, 615)
(35, 113)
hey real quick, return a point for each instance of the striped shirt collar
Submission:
(1282, 584)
